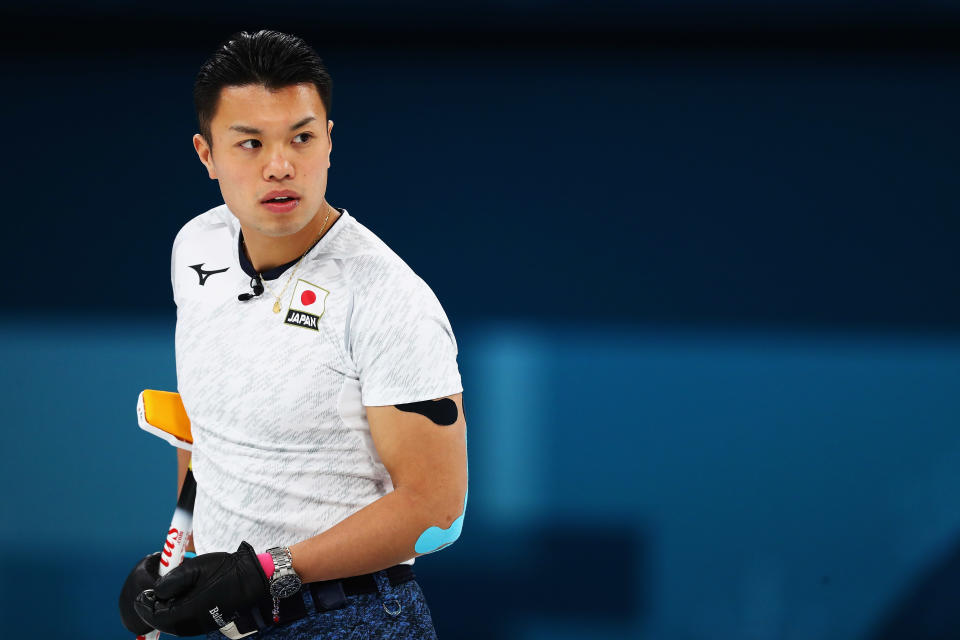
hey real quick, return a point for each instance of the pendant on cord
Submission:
(276, 307)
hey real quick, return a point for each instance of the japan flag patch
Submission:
(307, 305)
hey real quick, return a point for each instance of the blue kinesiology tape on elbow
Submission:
(436, 538)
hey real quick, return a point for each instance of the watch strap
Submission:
(282, 561)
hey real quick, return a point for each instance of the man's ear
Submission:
(205, 154)
(329, 141)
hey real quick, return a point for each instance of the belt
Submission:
(327, 595)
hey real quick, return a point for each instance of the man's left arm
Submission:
(423, 447)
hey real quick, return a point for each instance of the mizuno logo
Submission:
(205, 274)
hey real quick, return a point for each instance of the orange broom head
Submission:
(162, 414)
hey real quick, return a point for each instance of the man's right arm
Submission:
(183, 461)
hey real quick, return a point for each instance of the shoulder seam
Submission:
(349, 315)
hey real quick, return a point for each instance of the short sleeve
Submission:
(401, 341)
(173, 272)
(173, 266)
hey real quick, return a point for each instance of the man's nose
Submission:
(279, 168)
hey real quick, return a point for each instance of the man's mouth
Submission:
(281, 202)
(280, 197)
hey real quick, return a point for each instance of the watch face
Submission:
(285, 586)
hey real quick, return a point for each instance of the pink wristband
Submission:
(266, 561)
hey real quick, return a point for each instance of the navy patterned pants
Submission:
(395, 612)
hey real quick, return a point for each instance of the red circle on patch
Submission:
(308, 297)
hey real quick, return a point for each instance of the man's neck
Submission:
(265, 252)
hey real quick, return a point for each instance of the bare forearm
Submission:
(378, 536)
(183, 462)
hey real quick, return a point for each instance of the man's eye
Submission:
(257, 142)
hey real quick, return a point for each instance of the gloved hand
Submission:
(143, 576)
(204, 593)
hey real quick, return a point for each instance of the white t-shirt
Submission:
(282, 448)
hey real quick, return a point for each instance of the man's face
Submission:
(267, 141)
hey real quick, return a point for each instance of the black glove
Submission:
(204, 593)
(143, 576)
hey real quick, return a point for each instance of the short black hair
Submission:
(269, 58)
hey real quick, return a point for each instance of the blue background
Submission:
(700, 260)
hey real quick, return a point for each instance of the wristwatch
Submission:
(284, 582)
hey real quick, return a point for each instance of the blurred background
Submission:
(700, 259)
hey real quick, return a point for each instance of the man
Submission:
(319, 374)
